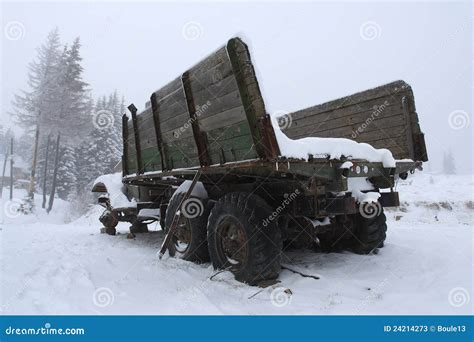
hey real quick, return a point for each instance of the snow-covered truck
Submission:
(230, 184)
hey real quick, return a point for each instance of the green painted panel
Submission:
(151, 159)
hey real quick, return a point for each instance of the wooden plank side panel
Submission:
(151, 159)
(146, 128)
(168, 89)
(375, 116)
(221, 115)
(179, 148)
(263, 135)
(131, 152)
(228, 144)
(218, 114)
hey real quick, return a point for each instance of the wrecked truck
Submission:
(232, 185)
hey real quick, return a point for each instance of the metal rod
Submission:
(125, 144)
(133, 110)
(167, 243)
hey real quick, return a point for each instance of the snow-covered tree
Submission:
(449, 165)
(39, 104)
(74, 108)
(102, 149)
(67, 173)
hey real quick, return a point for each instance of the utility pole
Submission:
(31, 188)
(3, 173)
(45, 171)
(11, 169)
(55, 176)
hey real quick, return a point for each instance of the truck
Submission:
(232, 185)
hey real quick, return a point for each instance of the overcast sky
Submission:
(305, 53)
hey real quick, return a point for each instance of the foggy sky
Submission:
(305, 53)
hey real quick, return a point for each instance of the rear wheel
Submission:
(190, 238)
(359, 233)
(370, 233)
(242, 239)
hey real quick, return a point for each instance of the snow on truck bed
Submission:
(335, 148)
(49, 267)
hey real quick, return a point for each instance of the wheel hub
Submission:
(233, 243)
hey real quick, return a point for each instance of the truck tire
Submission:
(191, 236)
(359, 234)
(370, 233)
(241, 238)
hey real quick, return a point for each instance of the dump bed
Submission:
(214, 114)
(384, 117)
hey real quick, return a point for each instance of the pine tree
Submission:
(38, 105)
(74, 108)
(449, 165)
(67, 173)
(102, 149)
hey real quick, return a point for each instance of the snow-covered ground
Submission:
(52, 267)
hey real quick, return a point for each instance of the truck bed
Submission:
(214, 115)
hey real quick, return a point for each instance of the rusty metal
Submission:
(389, 199)
(232, 242)
(338, 205)
(125, 145)
(133, 110)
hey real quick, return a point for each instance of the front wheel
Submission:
(242, 238)
(190, 237)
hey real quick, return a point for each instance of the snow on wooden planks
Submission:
(384, 117)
